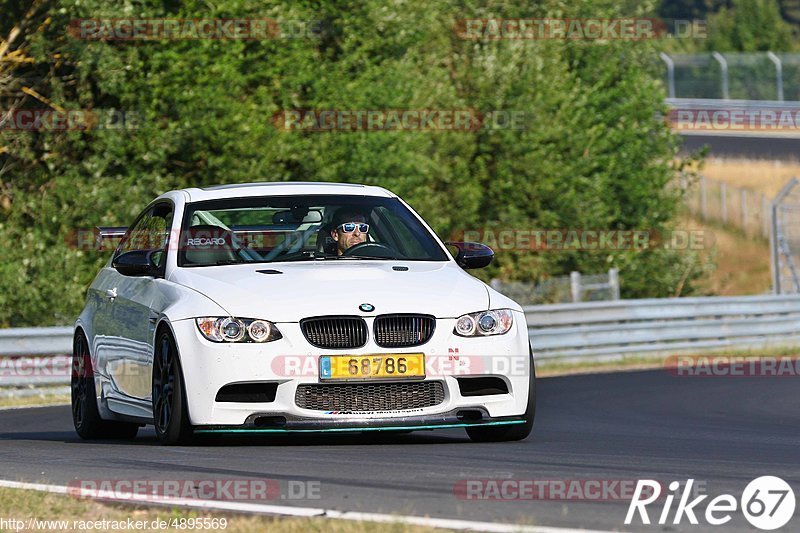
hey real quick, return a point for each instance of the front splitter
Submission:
(317, 425)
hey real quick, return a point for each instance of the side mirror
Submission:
(137, 263)
(472, 254)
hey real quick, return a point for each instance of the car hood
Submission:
(294, 291)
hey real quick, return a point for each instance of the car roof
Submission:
(286, 188)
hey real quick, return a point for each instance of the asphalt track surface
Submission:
(780, 148)
(721, 431)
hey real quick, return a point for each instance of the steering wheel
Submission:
(370, 249)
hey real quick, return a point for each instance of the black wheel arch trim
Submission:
(162, 324)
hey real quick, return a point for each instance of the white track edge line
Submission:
(285, 510)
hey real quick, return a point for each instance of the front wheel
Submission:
(515, 431)
(170, 414)
(85, 415)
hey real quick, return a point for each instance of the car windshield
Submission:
(300, 228)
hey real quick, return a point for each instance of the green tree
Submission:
(594, 153)
(749, 26)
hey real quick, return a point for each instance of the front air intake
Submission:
(481, 386)
(369, 396)
(247, 393)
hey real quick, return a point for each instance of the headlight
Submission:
(484, 323)
(231, 329)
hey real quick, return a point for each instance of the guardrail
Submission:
(36, 341)
(587, 330)
(613, 328)
(748, 118)
(714, 104)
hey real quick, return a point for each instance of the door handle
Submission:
(111, 293)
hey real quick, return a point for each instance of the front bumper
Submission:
(207, 367)
(286, 423)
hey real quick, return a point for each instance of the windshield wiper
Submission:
(366, 257)
(297, 256)
(226, 262)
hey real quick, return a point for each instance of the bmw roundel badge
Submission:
(366, 307)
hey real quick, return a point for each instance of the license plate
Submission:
(344, 367)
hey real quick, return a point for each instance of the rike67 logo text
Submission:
(767, 502)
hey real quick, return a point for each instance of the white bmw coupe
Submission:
(296, 307)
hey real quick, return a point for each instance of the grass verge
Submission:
(555, 368)
(27, 505)
(46, 398)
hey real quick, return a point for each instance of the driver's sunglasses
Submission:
(350, 227)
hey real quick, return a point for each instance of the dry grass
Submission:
(763, 176)
(742, 262)
(25, 504)
(665, 361)
(554, 368)
(41, 399)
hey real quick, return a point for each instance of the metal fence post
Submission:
(773, 248)
(778, 245)
(670, 74)
(723, 65)
(778, 74)
(744, 209)
(703, 199)
(575, 285)
(765, 215)
(723, 201)
(613, 283)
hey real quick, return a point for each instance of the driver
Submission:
(349, 228)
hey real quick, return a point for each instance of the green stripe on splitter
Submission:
(331, 430)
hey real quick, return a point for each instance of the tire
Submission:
(85, 416)
(170, 413)
(515, 431)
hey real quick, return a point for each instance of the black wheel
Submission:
(515, 431)
(85, 416)
(170, 415)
